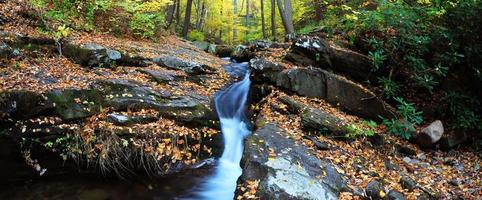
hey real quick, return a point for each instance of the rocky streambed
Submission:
(145, 112)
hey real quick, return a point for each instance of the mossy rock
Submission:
(72, 104)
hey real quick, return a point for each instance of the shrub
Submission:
(404, 126)
(145, 24)
(365, 128)
(196, 35)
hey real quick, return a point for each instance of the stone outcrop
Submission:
(314, 51)
(287, 170)
(314, 82)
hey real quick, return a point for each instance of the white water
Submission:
(230, 106)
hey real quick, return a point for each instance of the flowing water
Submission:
(230, 106)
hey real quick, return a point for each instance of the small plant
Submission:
(405, 125)
(389, 88)
(366, 129)
(377, 58)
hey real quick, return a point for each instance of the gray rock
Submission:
(319, 83)
(430, 135)
(310, 51)
(118, 119)
(201, 45)
(315, 119)
(395, 195)
(408, 183)
(159, 76)
(92, 55)
(179, 64)
(373, 189)
(124, 120)
(290, 171)
(314, 51)
(128, 95)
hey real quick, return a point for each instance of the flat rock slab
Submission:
(287, 170)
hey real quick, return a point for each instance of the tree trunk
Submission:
(273, 19)
(286, 12)
(247, 20)
(262, 19)
(170, 14)
(178, 12)
(187, 19)
(235, 9)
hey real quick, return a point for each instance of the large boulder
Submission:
(430, 135)
(313, 82)
(5, 50)
(287, 170)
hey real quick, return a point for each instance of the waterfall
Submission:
(230, 106)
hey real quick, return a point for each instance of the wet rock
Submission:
(287, 170)
(92, 55)
(72, 104)
(408, 183)
(179, 64)
(20, 104)
(319, 83)
(159, 76)
(395, 195)
(430, 135)
(373, 189)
